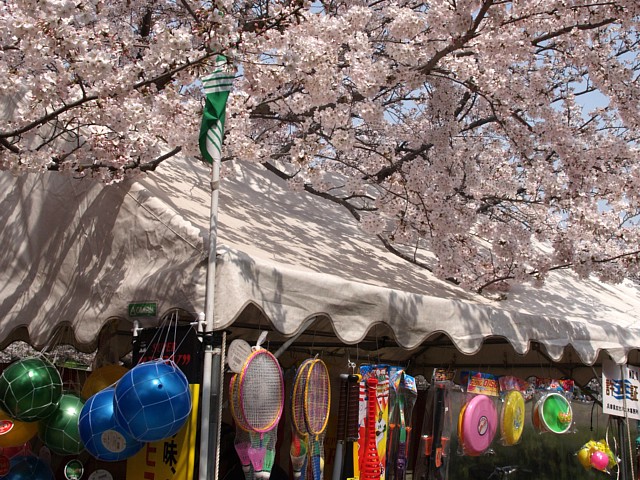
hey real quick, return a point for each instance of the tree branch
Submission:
(5, 143)
(89, 98)
(567, 29)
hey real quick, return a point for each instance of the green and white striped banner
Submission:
(216, 88)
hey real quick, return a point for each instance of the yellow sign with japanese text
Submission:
(172, 458)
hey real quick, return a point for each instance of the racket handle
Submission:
(341, 426)
(353, 408)
(353, 411)
(317, 460)
(401, 461)
(348, 468)
(342, 407)
(338, 459)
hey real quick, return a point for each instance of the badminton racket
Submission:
(435, 457)
(317, 403)
(242, 440)
(401, 454)
(261, 390)
(341, 426)
(351, 427)
(300, 433)
(370, 469)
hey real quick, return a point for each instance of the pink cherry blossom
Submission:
(499, 137)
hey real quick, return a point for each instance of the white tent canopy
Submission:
(76, 253)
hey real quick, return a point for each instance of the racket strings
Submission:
(261, 392)
(260, 401)
(316, 400)
(317, 404)
(234, 402)
(298, 399)
(300, 436)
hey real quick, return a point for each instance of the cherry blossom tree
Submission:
(501, 137)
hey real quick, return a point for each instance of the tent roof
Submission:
(76, 252)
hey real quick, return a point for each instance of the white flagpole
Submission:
(216, 87)
(212, 373)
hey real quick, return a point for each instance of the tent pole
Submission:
(625, 467)
(212, 363)
(625, 456)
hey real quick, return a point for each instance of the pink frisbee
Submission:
(479, 424)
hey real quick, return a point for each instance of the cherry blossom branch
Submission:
(186, 5)
(144, 167)
(581, 26)
(5, 143)
(163, 77)
(54, 114)
(458, 42)
(563, 266)
(327, 196)
(411, 259)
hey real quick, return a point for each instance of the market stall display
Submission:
(359, 291)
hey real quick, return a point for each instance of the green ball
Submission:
(30, 389)
(60, 431)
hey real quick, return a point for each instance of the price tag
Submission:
(238, 351)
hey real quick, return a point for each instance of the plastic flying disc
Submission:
(512, 417)
(460, 417)
(478, 424)
(555, 413)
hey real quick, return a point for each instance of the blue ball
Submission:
(103, 438)
(152, 401)
(28, 467)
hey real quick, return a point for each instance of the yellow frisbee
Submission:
(512, 421)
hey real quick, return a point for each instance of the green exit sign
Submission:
(143, 309)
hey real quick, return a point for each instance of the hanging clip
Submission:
(352, 366)
(260, 341)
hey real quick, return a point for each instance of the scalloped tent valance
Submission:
(77, 252)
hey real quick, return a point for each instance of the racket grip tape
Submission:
(353, 407)
(342, 408)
